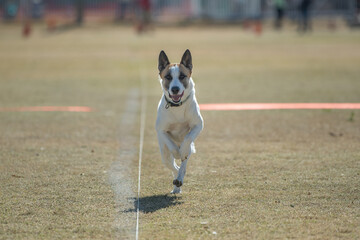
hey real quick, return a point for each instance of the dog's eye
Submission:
(182, 76)
(168, 77)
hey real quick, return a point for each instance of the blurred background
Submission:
(56, 13)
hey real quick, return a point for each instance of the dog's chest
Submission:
(177, 125)
(177, 128)
(178, 131)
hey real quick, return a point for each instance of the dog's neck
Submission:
(172, 104)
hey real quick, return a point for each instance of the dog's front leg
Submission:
(187, 145)
(165, 138)
(168, 155)
(186, 149)
(180, 178)
(168, 159)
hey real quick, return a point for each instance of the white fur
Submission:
(177, 128)
(176, 82)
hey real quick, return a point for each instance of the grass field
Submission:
(256, 175)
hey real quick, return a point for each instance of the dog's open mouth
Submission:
(176, 98)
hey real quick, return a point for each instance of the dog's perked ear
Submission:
(163, 61)
(186, 60)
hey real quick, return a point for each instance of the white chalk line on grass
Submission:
(120, 170)
(126, 222)
(141, 144)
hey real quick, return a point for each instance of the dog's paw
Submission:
(176, 190)
(177, 183)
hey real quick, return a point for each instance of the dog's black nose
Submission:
(175, 90)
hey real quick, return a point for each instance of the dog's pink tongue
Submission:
(176, 98)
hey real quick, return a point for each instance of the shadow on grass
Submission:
(154, 203)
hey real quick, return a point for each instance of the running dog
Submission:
(179, 121)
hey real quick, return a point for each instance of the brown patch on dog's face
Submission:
(184, 75)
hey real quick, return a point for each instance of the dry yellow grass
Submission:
(257, 174)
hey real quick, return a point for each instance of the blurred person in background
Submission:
(26, 17)
(304, 21)
(123, 9)
(279, 6)
(145, 18)
(358, 11)
(80, 5)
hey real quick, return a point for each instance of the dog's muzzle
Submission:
(176, 98)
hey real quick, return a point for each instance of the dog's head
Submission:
(176, 78)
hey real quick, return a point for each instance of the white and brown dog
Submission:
(179, 121)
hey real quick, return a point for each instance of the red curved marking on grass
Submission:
(275, 106)
(48, 109)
